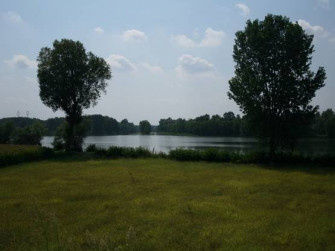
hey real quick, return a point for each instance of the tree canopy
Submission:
(273, 83)
(145, 127)
(71, 80)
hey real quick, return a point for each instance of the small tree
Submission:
(273, 83)
(6, 132)
(29, 135)
(71, 80)
(145, 127)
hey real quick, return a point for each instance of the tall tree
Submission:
(273, 83)
(71, 80)
(145, 127)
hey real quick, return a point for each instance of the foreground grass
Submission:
(157, 204)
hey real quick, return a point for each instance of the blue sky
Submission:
(168, 58)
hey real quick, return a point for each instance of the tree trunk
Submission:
(73, 141)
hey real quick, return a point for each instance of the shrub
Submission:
(91, 148)
(122, 152)
(14, 154)
(185, 154)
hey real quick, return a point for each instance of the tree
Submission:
(71, 80)
(273, 83)
(6, 132)
(145, 127)
(29, 135)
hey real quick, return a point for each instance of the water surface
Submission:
(165, 143)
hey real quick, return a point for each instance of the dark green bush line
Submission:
(257, 157)
(11, 154)
(121, 152)
(215, 155)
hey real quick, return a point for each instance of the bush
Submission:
(185, 155)
(122, 152)
(91, 148)
(14, 154)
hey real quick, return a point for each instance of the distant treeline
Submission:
(234, 125)
(97, 125)
(227, 125)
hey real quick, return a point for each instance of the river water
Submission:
(165, 143)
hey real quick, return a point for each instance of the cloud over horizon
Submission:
(212, 38)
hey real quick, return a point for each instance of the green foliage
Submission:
(7, 130)
(71, 80)
(324, 124)
(14, 154)
(252, 157)
(145, 127)
(91, 148)
(121, 152)
(29, 135)
(273, 83)
(227, 125)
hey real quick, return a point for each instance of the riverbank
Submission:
(161, 204)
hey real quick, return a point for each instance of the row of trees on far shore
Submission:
(227, 125)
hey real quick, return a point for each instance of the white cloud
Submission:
(134, 36)
(316, 30)
(324, 4)
(12, 17)
(99, 30)
(152, 68)
(212, 38)
(120, 63)
(184, 41)
(193, 65)
(244, 9)
(22, 62)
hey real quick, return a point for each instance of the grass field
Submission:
(157, 204)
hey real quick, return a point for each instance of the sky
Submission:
(168, 58)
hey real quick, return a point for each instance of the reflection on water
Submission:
(164, 143)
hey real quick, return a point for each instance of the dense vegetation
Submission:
(27, 135)
(14, 154)
(273, 83)
(97, 125)
(71, 79)
(145, 127)
(233, 125)
(157, 204)
(227, 125)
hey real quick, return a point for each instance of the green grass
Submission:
(157, 204)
